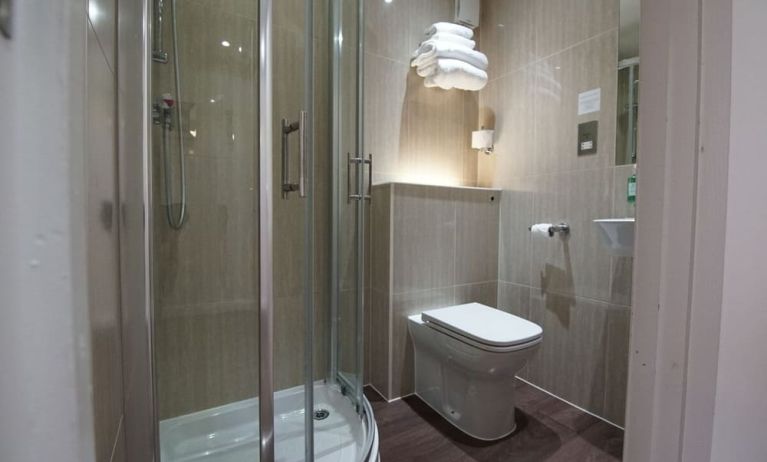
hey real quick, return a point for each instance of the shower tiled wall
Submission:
(433, 246)
(205, 275)
(416, 134)
(542, 55)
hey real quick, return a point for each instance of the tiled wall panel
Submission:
(543, 54)
(433, 247)
(416, 134)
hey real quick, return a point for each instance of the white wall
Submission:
(741, 405)
(698, 373)
(44, 342)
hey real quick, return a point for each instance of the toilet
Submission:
(466, 357)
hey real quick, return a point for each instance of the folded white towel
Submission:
(456, 29)
(452, 73)
(425, 71)
(432, 50)
(446, 37)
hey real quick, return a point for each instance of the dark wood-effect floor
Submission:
(547, 430)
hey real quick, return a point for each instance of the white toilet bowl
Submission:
(466, 357)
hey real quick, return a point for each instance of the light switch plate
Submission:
(6, 17)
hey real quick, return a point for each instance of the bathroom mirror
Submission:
(628, 83)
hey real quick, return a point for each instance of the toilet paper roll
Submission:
(482, 139)
(541, 229)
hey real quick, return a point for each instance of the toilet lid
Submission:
(484, 324)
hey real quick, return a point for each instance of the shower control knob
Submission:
(168, 100)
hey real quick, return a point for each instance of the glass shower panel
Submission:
(204, 261)
(352, 170)
(292, 50)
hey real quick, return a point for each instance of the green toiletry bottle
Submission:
(631, 195)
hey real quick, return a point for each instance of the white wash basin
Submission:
(617, 235)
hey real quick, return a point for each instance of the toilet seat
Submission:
(483, 327)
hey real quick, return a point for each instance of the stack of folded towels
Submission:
(447, 59)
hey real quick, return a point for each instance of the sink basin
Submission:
(617, 235)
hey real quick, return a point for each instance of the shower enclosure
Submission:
(258, 195)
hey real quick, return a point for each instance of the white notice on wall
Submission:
(590, 101)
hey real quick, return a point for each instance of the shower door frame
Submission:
(266, 232)
(265, 236)
(359, 205)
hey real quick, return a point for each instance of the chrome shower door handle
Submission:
(352, 162)
(302, 144)
(359, 162)
(287, 128)
(369, 162)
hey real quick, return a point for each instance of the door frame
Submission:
(681, 210)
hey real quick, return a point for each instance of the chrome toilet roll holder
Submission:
(562, 229)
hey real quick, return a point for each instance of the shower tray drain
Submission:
(321, 414)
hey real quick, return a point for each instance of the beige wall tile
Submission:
(515, 247)
(558, 82)
(368, 321)
(514, 299)
(621, 274)
(485, 293)
(423, 240)
(385, 93)
(381, 238)
(425, 13)
(394, 30)
(347, 331)
(387, 30)
(561, 23)
(576, 265)
(380, 342)
(470, 156)
(477, 221)
(290, 14)
(571, 360)
(507, 105)
(207, 355)
(508, 35)
(616, 370)
(435, 136)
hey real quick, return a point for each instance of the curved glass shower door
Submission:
(257, 262)
(204, 229)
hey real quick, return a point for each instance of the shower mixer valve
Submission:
(162, 113)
